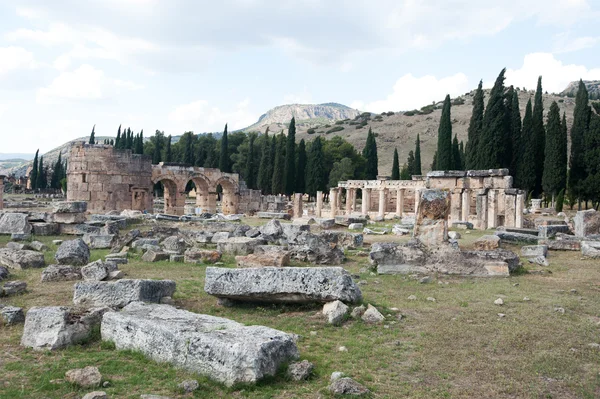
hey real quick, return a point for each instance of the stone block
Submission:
(21, 259)
(534, 250)
(45, 229)
(14, 223)
(121, 293)
(239, 245)
(69, 207)
(195, 255)
(587, 223)
(61, 273)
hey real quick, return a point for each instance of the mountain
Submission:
(15, 156)
(592, 86)
(306, 114)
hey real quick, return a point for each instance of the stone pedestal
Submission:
(536, 206)
(456, 206)
(466, 205)
(431, 222)
(333, 194)
(510, 202)
(492, 205)
(298, 205)
(366, 197)
(482, 211)
(519, 206)
(319, 207)
(348, 201)
(400, 202)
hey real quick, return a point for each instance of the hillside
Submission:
(592, 86)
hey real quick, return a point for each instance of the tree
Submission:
(168, 153)
(224, 165)
(492, 142)
(118, 139)
(417, 165)
(577, 162)
(93, 136)
(301, 168)
(250, 168)
(186, 146)
(290, 159)
(41, 181)
(316, 175)
(591, 185)
(410, 165)
(404, 173)
(395, 166)
(515, 134)
(139, 145)
(341, 171)
(461, 150)
(555, 164)
(444, 144)
(57, 173)
(526, 165)
(474, 132)
(264, 178)
(539, 137)
(434, 161)
(34, 171)
(370, 154)
(277, 182)
(456, 161)
(271, 169)
(157, 140)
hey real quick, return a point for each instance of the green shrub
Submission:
(560, 200)
(335, 129)
(311, 131)
(339, 122)
(411, 113)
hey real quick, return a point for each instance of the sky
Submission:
(194, 65)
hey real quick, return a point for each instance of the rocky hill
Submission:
(592, 86)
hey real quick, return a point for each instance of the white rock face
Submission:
(372, 315)
(282, 284)
(122, 292)
(14, 223)
(56, 327)
(73, 252)
(335, 312)
(21, 259)
(221, 349)
(590, 249)
(534, 250)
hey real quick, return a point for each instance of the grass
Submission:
(455, 347)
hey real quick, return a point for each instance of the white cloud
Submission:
(298, 98)
(412, 92)
(15, 58)
(555, 75)
(84, 83)
(30, 12)
(564, 43)
(199, 116)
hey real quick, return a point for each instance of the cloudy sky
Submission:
(181, 65)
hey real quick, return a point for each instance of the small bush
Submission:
(458, 101)
(339, 122)
(410, 113)
(335, 129)
(561, 100)
(560, 200)
(311, 131)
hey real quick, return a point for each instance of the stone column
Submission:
(211, 202)
(319, 208)
(509, 210)
(354, 193)
(298, 205)
(519, 205)
(348, 201)
(333, 201)
(399, 202)
(365, 201)
(482, 211)
(1, 191)
(179, 203)
(455, 206)
(466, 204)
(382, 203)
(492, 204)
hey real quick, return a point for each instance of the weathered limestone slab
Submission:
(534, 250)
(56, 327)
(549, 231)
(21, 259)
(348, 220)
(271, 250)
(487, 243)
(343, 239)
(195, 255)
(286, 285)
(69, 207)
(11, 315)
(218, 348)
(516, 237)
(154, 256)
(325, 223)
(590, 249)
(69, 218)
(431, 224)
(174, 245)
(61, 273)
(562, 245)
(315, 249)
(274, 215)
(239, 245)
(45, 229)
(100, 241)
(73, 252)
(122, 292)
(98, 270)
(263, 260)
(13, 288)
(462, 225)
(78, 229)
(587, 223)
(14, 223)
(394, 258)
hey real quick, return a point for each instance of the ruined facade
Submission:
(484, 198)
(113, 179)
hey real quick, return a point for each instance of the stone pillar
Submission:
(482, 211)
(211, 202)
(455, 206)
(298, 205)
(179, 203)
(466, 204)
(399, 202)
(319, 208)
(431, 221)
(519, 205)
(510, 210)
(333, 201)
(382, 203)
(1, 191)
(348, 201)
(354, 194)
(365, 201)
(492, 204)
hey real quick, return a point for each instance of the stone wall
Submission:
(109, 179)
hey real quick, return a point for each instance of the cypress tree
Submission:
(168, 153)
(444, 145)
(157, 152)
(591, 185)
(290, 159)
(111, 142)
(410, 165)
(271, 165)
(224, 165)
(40, 180)
(404, 174)
(456, 161)
(539, 137)
(316, 175)
(93, 136)
(56, 173)
(577, 162)
(250, 169)
(264, 178)
(34, 171)
(395, 166)
(461, 149)
(515, 133)
(417, 165)
(370, 154)
(555, 164)
(474, 132)
(526, 165)
(301, 168)
(492, 142)
(139, 146)
(277, 182)
(118, 139)
(434, 161)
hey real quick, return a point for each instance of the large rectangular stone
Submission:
(121, 293)
(218, 348)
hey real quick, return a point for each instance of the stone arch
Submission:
(174, 201)
(205, 197)
(230, 198)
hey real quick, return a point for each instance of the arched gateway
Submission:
(112, 179)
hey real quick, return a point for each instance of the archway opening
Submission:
(167, 190)
(226, 189)
(198, 195)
